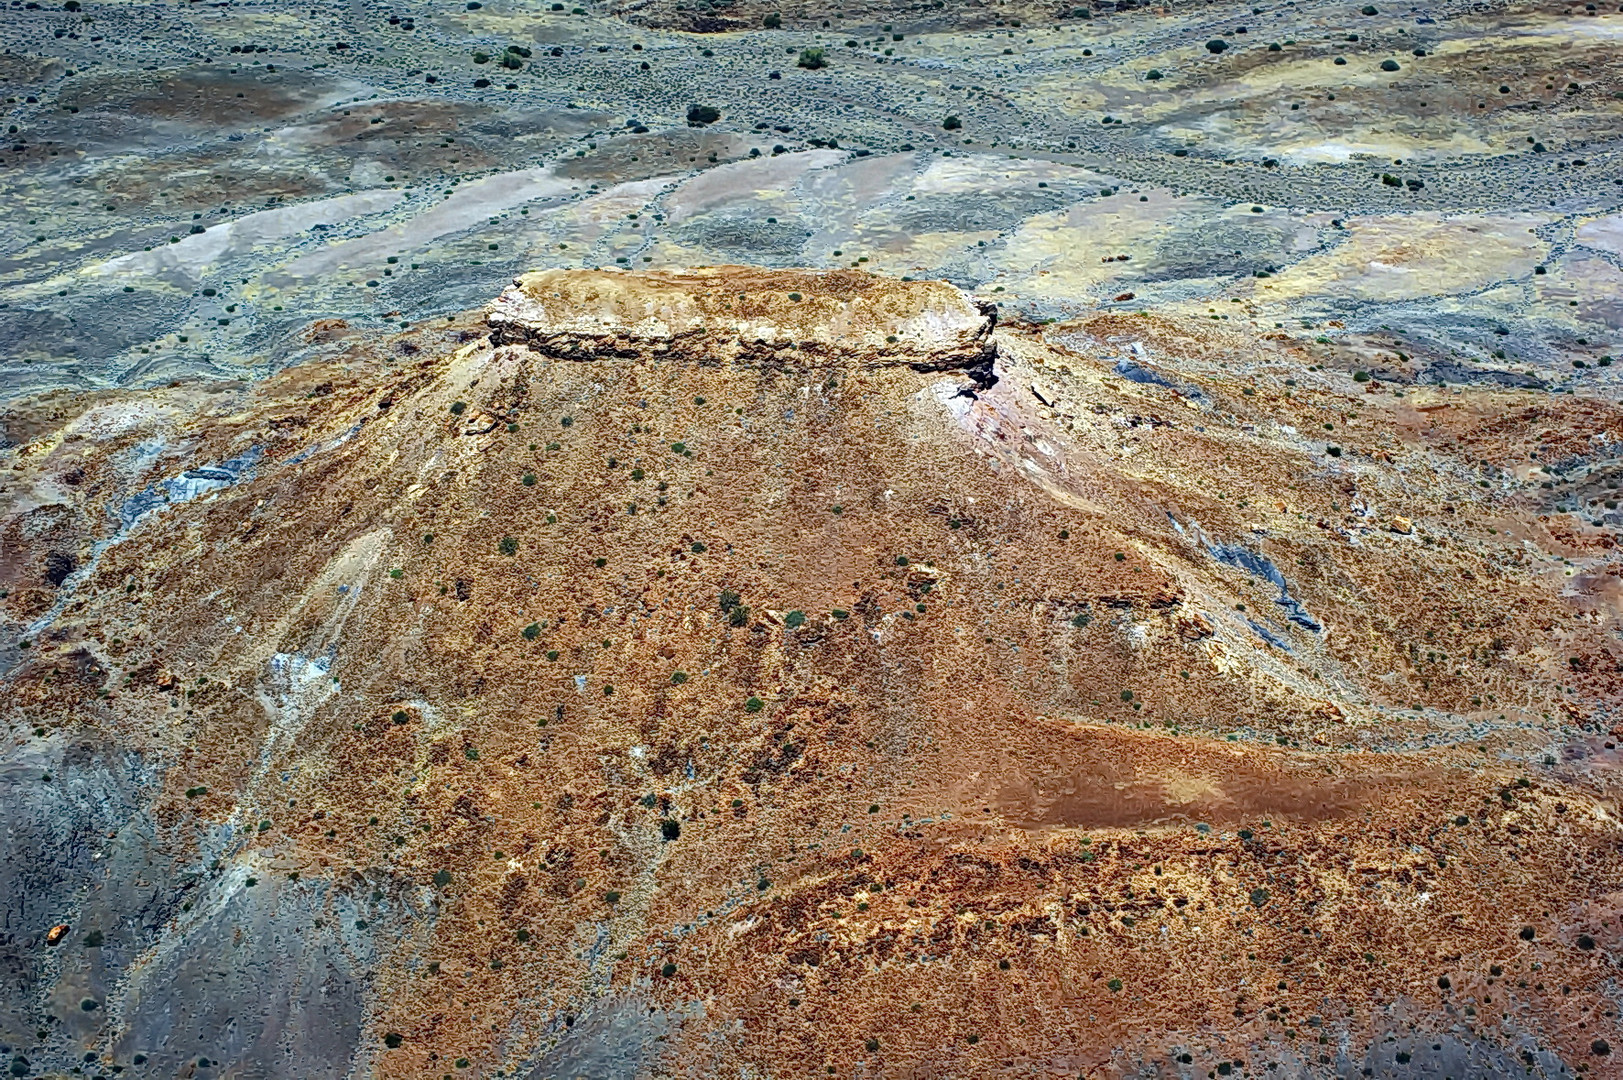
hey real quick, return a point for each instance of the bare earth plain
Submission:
(700, 539)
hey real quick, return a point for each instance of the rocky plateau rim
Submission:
(748, 315)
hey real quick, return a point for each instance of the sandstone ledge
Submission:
(803, 318)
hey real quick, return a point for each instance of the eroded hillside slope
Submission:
(740, 672)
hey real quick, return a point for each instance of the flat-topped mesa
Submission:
(788, 318)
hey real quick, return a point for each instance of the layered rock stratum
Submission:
(669, 674)
(733, 314)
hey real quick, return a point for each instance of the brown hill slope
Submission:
(769, 697)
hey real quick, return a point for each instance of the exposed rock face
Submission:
(453, 700)
(789, 318)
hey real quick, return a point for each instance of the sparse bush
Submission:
(531, 632)
(794, 620)
(1389, 65)
(670, 829)
(1154, 74)
(812, 59)
(508, 546)
(1217, 45)
(773, 21)
(754, 704)
(702, 115)
(951, 123)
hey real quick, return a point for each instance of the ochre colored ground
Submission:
(978, 759)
